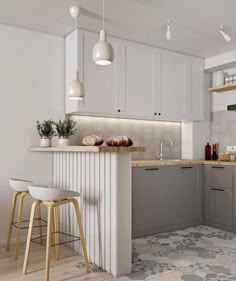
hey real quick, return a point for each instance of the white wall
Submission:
(31, 88)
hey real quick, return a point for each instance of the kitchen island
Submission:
(103, 176)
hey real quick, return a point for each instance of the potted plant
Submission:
(65, 129)
(46, 132)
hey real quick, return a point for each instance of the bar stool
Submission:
(21, 190)
(52, 198)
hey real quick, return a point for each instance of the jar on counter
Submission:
(234, 78)
(226, 80)
(218, 78)
(231, 157)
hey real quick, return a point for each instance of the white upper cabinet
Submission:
(100, 82)
(176, 86)
(143, 82)
(197, 90)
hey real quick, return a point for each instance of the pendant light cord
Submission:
(103, 12)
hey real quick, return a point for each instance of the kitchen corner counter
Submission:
(101, 148)
(149, 163)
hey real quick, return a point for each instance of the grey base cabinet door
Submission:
(219, 195)
(166, 198)
(219, 205)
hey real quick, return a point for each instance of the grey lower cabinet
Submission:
(219, 191)
(166, 198)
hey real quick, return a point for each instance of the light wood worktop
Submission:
(101, 148)
(149, 163)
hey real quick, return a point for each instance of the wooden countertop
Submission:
(149, 163)
(101, 148)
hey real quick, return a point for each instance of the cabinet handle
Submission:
(118, 110)
(152, 169)
(217, 189)
(159, 114)
(155, 113)
(217, 167)
(188, 167)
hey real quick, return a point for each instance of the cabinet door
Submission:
(176, 86)
(220, 176)
(101, 82)
(197, 104)
(219, 205)
(165, 198)
(142, 82)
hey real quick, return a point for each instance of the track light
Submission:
(168, 32)
(225, 35)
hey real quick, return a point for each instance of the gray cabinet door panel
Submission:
(234, 196)
(219, 205)
(220, 176)
(165, 198)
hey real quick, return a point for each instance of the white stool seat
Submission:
(50, 194)
(19, 185)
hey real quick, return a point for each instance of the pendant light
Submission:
(103, 53)
(76, 88)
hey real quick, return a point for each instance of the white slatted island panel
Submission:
(102, 175)
(104, 182)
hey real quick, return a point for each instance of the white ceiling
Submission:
(196, 28)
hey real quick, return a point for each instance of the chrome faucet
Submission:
(161, 156)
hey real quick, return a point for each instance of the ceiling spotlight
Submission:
(168, 32)
(225, 35)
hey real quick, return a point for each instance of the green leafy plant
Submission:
(45, 129)
(65, 128)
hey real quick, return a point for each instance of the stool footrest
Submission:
(76, 238)
(15, 224)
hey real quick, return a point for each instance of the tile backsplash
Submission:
(143, 133)
(223, 128)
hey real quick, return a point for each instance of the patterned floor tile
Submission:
(200, 253)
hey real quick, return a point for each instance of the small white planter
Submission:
(45, 142)
(65, 141)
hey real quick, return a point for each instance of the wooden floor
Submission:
(64, 270)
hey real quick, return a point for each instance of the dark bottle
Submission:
(208, 152)
(214, 153)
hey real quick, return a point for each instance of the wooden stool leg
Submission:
(56, 229)
(31, 224)
(13, 208)
(53, 240)
(40, 223)
(82, 239)
(20, 213)
(50, 221)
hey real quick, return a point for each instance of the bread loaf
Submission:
(119, 141)
(92, 140)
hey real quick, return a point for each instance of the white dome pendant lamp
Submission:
(103, 53)
(76, 88)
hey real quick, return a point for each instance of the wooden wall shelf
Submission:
(223, 88)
